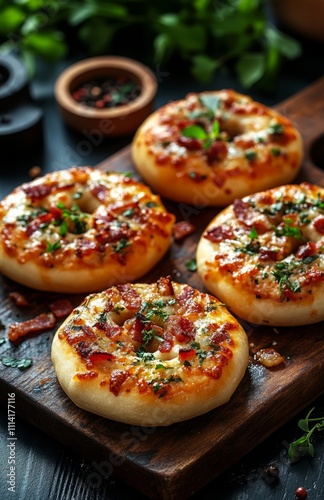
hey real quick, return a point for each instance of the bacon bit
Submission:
(98, 357)
(61, 308)
(268, 254)
(44, 321)
(216, 152)
(130, 296)
(181, 328)
(319, 224)
(37, 191)
(84, 247)
(35, 224)
(186, 353)
(164, 286)
(187, 301)
(117, 379)
(111, 330)
(306, 250)
(189, 143)
(19, 299)
(99, 192)
(182, 229)
(214, 372)
(90, 374)
(88, 331)
(218, 233)
(245, 213)
(269, 357)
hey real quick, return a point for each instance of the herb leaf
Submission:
(12, 362)
(303, 446)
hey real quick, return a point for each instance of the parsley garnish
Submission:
(282, 273)
(198, 132)
(303, 446)
(144, 355)
(154, 309)
(75, 216)
(250, 155)
(191, 265)
(148, 335)
(121, 245)
(51, 247)
(276, 128)
(21, 364)
(289, 229)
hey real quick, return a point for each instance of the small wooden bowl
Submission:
(109, 122)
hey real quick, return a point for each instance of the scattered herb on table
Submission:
(303, 446)
(205, 35)
(12, 362)
(191, 265)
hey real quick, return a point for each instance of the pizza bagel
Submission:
(150, 354)
(212, 147)
(263, 256)
(81, 230)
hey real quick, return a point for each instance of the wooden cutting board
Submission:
(174, 462)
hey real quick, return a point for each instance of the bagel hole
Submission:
(317, 152)
(232, 128)
(4, 75)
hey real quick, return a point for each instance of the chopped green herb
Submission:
(151, 204)
(211, 102)
(250, 155)
(289, 229)
(51, 247)
(275, 151)
(276, 128)
(144, 355)
(148, 335)
(121, 245)
(129, 212)
(128, 173)
(191, 265)
(12, 362)
(253, 233)
(282, 273)
(198, 132)
(154, 310)
(2, 340)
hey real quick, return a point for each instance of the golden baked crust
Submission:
(150, 354)
(240, 147)
(81, 230)
(263, 256)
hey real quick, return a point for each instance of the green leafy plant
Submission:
(303, 446)
(206, 34)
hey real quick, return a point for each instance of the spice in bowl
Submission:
(107, 93)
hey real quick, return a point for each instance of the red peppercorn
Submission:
(301, 493)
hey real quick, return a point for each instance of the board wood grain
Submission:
(174, 462)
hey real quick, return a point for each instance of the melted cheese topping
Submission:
(81, 220)
(241, 147)
(270, 247)
(152, 342)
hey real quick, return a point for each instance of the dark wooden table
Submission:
(45, 468)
